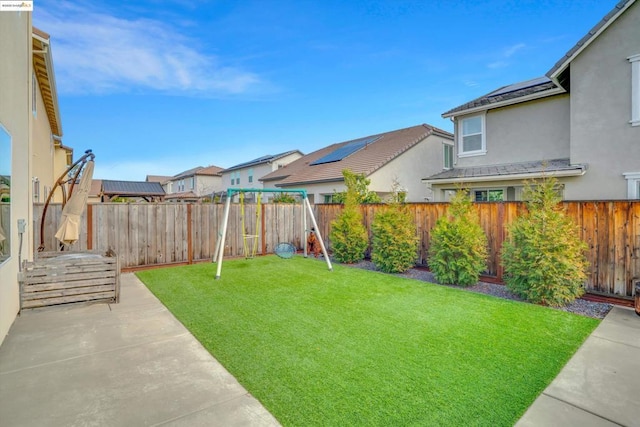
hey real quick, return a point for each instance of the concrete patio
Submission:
(127, 364)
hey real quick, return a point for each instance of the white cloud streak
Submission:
(96, 53)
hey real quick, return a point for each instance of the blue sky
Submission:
(156, 87)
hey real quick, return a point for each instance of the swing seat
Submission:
(285, 250)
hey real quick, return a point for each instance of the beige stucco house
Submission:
(193, 185)
(50, 157)
(30, 146)
(249, 174)
(580, 123)
(402, 156)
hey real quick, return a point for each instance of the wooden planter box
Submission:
(56, 278)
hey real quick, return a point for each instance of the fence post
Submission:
(189, 235)
(89, 226)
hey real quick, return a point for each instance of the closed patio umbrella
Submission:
(69, 230)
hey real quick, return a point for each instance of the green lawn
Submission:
(354, 347)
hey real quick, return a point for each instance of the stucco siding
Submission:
(534, 130)
(43, 152)
(424, 159)
(601, 134)
(15, 116)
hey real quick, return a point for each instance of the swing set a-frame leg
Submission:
(315, 226)
(220, 245)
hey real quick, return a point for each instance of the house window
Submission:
(635, 89)
(238, 177)
(250, 179)
(448, 155)
(192, 182)
(328, 198)
(633, 185)
(233, 181)
(488, 195)
(471, 136)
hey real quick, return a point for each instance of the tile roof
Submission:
(367, 160)
(131, 188)
(157, 178)
(261, 160)
(198, 170)
(507, 169)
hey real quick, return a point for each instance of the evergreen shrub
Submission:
(395, 240)
(349, 238)
(544, 257)
(458, 245)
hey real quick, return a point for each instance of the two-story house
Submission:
(51, 157)
(399, 157)
(194, 184)
(580, 123)
(249, 174)
(31, 152)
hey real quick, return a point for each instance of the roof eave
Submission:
(531, 97)
(510, 177)
(598, 29)
(51, 77)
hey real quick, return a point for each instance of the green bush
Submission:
(348, 235)
(360, 188)
(458, 245)
(284, 198)
(544, 259)
(395, 241)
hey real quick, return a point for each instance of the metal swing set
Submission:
(250, 241)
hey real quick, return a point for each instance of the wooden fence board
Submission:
(156, 233)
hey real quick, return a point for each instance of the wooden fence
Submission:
(166, 233)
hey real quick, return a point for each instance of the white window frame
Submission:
(446, 146)
(483, 133)
(635, 89)
(633, 184)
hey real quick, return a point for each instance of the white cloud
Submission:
(95, 52)
(511, 50)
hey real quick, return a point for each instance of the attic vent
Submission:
(346, 150)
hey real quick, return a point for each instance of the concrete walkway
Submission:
(600, 386)
(127, 364)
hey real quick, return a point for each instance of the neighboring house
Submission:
(402, 156)
(131, 190)
(192, 185)
(94, 191)
(50, 157)
(580, 123)
(30, 147)
(249, 174)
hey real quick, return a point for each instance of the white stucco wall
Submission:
(601, 134)
(16, 117)
(422, 160)
(530, 131)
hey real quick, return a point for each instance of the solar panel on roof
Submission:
(521, 85)
(346, 150)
